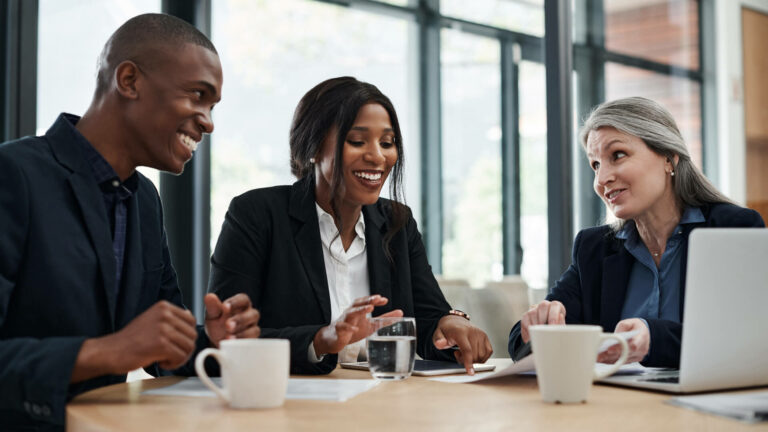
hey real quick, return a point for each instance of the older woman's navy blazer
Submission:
(270, 248)
(593, 288)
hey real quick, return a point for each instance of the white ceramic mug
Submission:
(565, 357)
(254, 372)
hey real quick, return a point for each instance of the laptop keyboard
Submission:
(672, 379)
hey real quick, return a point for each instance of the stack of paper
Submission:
(749, 407)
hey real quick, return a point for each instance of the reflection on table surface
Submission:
(413, 404)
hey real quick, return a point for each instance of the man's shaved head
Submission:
(142, 39)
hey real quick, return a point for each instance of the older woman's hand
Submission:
(638, 345)
(473, 344)
(546, 312)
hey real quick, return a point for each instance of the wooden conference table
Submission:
(508, 403)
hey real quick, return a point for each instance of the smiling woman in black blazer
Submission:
(317, 257)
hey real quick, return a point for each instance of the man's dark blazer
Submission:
(270, 248)
(57, 273)
(594, 287)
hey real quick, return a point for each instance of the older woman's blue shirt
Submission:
(655, 292)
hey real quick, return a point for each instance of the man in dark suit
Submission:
(87, 289)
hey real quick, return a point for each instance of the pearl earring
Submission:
(311, 160)
(672, 173)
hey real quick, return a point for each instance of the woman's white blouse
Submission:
(347, 273)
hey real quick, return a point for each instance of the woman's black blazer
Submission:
(270, 249)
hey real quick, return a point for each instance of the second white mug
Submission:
(254, 372)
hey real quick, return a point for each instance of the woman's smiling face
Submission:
(367, 159)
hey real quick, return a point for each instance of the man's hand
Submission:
(234, 318)
(473, 344)
(164, 333)
(638, 345)
(545, 312)
(351, 326)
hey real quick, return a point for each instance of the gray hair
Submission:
(652, 123)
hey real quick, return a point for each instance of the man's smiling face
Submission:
(173, 109)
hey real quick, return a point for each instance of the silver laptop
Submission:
(725, 340)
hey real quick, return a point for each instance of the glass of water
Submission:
(392, 347)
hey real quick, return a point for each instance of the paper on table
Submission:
(328, 389)
(525, 366)
(750, 407)
(338, 390)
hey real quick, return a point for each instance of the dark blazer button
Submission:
(36, 409)
(28, 406)
(46, 411)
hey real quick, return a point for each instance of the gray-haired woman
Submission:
(630, 275)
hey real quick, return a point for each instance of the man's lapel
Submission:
(64, 144)
(94, 213)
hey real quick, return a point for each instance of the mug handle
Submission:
(622, 359)
(200, 369)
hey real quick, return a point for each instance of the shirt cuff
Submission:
(312, 356)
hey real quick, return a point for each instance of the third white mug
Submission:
(565, 357)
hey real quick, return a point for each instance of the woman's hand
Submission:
(473, 344)
(546, 312)
(351, 326)
(233, 318)
(638, 345)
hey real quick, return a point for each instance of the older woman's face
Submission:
(629, 177)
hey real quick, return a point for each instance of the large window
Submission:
(533, 174)
(68, 51)
(471, 153)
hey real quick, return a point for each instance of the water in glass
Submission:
(392, 348)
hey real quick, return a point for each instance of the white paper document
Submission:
(525, 366)
(518, 367)
(338, 390)
(750, 407)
